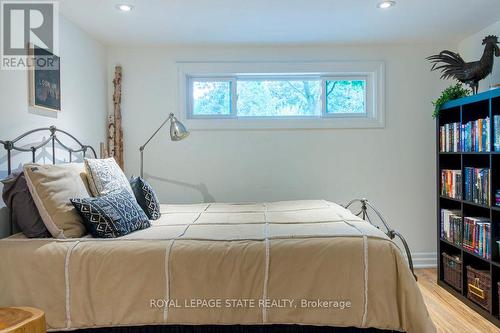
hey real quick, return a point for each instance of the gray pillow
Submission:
(18, 200)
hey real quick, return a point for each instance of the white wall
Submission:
(394, 166)
(83, 96)
(471, 49)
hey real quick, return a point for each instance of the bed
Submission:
(293, 266)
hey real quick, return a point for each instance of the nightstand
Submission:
(22, 320)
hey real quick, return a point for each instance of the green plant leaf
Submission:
(449, 94)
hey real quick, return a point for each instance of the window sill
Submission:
(296, 123)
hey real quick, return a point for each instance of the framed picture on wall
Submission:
(44, 79)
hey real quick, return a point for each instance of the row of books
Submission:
(451, 226)
(497, 198)
(450, 137)
(496, 122)
(477, 236)
(477, 185)
(476, 136)
(451, 183)
(473, 136)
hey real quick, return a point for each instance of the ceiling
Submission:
(280, 21)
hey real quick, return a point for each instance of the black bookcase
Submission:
(463, 110)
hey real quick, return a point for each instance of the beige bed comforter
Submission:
(301, 262)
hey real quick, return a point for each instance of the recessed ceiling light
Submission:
(386, 4)
(124, 7)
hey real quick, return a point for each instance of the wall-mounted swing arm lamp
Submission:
(178, 132)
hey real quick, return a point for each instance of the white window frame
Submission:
(368, 97)
(373, 72)
(190, 98)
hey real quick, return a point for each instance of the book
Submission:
(477, 236)
(451, 183)
(450, 137)
(477, 185)
(496, 128)
(451, 226)
(473, 136)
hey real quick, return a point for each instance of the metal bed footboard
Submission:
(391, 233)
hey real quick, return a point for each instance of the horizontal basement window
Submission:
(231, 97)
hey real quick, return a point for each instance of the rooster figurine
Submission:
(452, 65)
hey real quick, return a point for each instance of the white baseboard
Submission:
(424, 259)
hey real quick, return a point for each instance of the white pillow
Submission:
(51, 187)
(106, 177)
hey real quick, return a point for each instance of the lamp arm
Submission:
(141, 148)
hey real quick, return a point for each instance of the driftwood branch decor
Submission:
(103, 150)
(111, 136)
(115, 132)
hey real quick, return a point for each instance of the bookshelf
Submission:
(463, 111)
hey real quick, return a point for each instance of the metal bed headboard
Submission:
(53, 139)
(10, 145)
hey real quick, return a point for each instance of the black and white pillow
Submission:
(111, 215)
(146, 197)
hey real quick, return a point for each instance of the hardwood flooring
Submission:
(448, 313)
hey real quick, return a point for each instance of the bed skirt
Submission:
(232, 329)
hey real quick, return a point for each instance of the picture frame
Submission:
(44, 79)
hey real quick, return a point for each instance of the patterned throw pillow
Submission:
(105, 177)
(146, 197)
(112, 215)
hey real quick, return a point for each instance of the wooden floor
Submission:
(448, 313)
